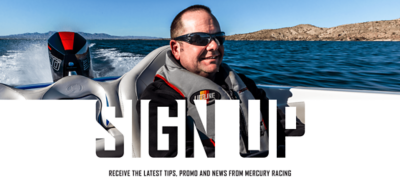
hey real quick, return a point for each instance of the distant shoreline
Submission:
(88, 36)
(236, 40)
(87, 39)
(320, 40)
(386, 30)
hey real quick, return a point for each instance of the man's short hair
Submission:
(177, 25)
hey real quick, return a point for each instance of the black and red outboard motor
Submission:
(69, 55)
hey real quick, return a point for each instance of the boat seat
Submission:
(12, 93)
(133, 84)
(9, 93)
(79, 87)
(71, 87)
(112, 93)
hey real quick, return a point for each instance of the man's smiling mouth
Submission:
(211, 57)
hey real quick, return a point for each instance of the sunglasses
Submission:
(202, 39)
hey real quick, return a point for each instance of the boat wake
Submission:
(112, 62)
(28, 63)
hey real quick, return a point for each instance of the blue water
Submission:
(349, 65)
(352, 65)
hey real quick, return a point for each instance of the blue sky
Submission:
(153, 18)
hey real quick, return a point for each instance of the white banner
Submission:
(349, 146)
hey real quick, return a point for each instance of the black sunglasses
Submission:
(202, 39)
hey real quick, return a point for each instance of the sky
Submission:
(153, 18)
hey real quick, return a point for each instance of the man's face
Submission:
(201, 60)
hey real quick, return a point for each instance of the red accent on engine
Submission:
(49, 47)
(67, 39)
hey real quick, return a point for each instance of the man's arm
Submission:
(261, 95)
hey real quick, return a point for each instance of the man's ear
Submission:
(176, 49)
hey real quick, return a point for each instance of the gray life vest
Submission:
(194, 87)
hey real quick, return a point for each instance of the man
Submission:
(194, 70)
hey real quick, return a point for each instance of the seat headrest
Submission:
(142, 74)
(134, 82)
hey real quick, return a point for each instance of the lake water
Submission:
(349, 65)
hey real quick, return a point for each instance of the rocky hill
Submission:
(388, 30)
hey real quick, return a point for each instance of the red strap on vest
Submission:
(170, 85)
(212, 142)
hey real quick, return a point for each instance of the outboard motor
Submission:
(69, 55)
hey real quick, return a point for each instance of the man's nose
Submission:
(213, 45)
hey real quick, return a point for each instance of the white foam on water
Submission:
(29, 66)
(120, 62)
(32, 66)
